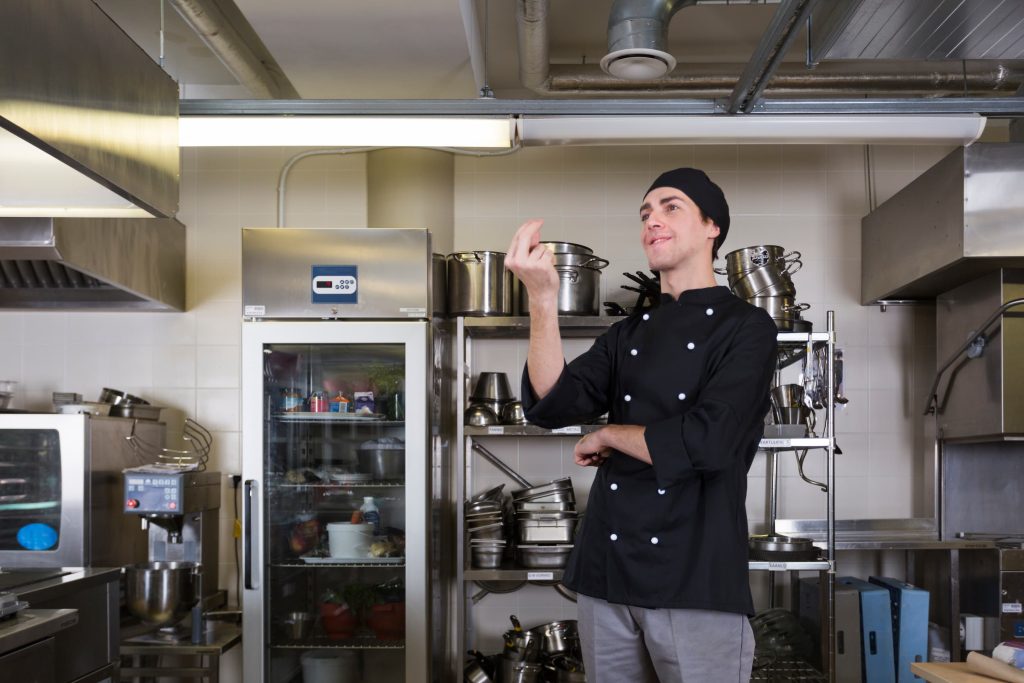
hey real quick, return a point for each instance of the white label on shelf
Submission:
(540, 576)
(254, 311)
(1012, 608)
(774, 443)
(568, 430)
(777, 566)
(495, 430)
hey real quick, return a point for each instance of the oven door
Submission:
(43, 510)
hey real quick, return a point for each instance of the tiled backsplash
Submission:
(809, 198)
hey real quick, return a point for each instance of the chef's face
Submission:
(674, 235)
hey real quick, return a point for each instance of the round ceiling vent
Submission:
(638, 64)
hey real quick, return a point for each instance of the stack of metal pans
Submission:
(763, 276)
(485, 527)
(545, 523)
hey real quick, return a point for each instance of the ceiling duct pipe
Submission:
(229, 36)
(719, 80)
(638, 38)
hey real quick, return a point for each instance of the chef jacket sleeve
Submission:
(581, 392)
(730, 406)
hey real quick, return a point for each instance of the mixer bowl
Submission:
(161, 593)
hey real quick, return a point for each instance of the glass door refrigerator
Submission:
(336, 365)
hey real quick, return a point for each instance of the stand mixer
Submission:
(179, 511)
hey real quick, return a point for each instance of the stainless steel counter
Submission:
(89, 649)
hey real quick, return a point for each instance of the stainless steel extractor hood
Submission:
(92, 263)
(960, 219)
(74, 88)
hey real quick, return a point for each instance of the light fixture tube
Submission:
(751, 129)
(344, 131)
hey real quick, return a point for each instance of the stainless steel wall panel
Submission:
(85, 93)
(958, 220)
(394, 267)
(982, 398)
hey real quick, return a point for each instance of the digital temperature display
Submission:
(335, 284)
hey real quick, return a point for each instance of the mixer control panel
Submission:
(152, 493)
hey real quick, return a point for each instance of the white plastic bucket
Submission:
(347, 540)
(330, 667)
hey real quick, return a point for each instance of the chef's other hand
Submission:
(590, 451)
(533, 263)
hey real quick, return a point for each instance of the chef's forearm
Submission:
(545, 358)
(628, 439)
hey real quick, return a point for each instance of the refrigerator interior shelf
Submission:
(347, 644)
(354, 561)
(369, 484)
(329, 417)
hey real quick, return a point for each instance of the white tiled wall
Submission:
(808, 198)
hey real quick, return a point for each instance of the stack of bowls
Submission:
(485, 527)
(545, 523)
(763, 276)
(491, 396)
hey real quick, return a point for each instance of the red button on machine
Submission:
(132, 503)
(172, 505)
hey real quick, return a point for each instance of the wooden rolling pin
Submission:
(987, 666)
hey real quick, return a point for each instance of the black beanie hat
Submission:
(708, 197)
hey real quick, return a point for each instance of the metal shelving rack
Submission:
(793, 347)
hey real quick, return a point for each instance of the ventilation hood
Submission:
(92, 263)
(77, 94)
(960, 219)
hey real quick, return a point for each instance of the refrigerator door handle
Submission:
(252, 507)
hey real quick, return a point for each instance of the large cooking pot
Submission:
(768, 280)
(558, 637)
(579, 285)
(478, 284)
(567, 248)
(748, 258)
(383, 458)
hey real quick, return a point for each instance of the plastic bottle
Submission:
(371, 515)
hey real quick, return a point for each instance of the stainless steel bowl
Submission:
(135, 411)
(161, 593)
(512, 413)
(480, 416)
(492, 386)
(118, 397)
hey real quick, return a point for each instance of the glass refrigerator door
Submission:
(342, 498)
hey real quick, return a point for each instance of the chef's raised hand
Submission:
(533, 263)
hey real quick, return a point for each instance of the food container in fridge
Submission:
(543, 556)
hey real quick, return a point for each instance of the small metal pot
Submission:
(579, 285)
(478, 284)
(766, 281)
(135, 411)
(383, 463)
(779, 307)
(558, 637)
(749, 258)
(512, 413)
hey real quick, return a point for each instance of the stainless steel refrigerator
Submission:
(336, 408)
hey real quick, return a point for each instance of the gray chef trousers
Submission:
(640, 645)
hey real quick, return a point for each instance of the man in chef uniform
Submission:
(660, 563)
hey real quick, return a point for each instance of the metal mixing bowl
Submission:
(161, 593)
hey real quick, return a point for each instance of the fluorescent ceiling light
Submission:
(35, 184)
(342, 131)
(750, 129)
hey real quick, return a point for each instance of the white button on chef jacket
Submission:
(627, 398)
(682, 396)
(661, 492)
(614, 487)
(690, 345)
(614, 537)
(654, 540)
(710, 311)
(647, 316)
(632, 352)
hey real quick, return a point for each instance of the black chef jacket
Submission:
(696, 372)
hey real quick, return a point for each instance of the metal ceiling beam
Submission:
(774, 43)
(986, 106)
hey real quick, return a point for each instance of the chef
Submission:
(660, 563)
